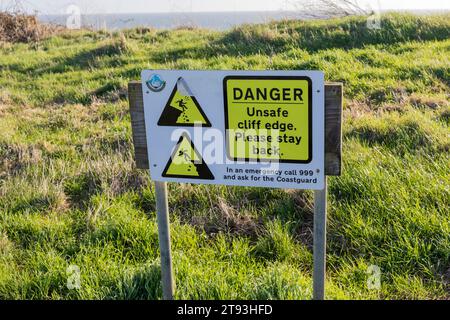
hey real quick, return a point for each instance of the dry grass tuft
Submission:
(421, 101)
(228, 220)
(16, 157)
(356, 109)
(5, 244)
(5, 97)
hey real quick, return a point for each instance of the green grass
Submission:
(71, 195)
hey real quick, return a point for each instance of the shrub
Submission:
(19, 27)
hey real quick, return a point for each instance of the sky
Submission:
(145, 6)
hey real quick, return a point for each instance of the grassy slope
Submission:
(69, 193)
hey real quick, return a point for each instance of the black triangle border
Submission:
(163, 124)
(165, 175)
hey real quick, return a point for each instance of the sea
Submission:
(173, 20)
(207, 20)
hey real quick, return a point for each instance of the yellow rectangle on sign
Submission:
(268, 118)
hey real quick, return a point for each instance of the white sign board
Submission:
(243, 128)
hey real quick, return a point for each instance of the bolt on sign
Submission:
(245, 128)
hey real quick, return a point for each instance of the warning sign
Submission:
(256, 128)
(183, 109)
(186, 162)
(268, 118)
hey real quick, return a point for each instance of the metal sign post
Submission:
(162, 212)
(320, 238)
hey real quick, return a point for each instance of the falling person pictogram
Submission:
(186, 162)
(183, 109)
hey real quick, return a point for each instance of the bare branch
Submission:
(330, 8)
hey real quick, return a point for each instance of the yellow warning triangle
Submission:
(186, 162)
(183, 109)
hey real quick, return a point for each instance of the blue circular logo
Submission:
(156, 83)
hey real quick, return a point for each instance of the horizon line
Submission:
(231, 11)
